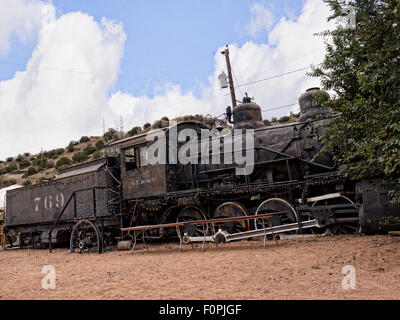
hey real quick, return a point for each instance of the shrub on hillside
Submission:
(70, 147)
(89, 149)
(284, 119)
(63, 162)
(134, 131)
(80, 157)
(24, 164)
(99, 144)
(110, 135)
(11, 168)
(84, 139)
(9, 159)
(31, 171)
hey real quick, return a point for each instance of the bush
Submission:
(31, 171)
(284, 119)
(84, 139)
(24, 164)
(146, 126)
(11, 168)
(50, 165)
(19, 158)
(267, 123)
(26, 154)
(89, 149)
(70, 147)
(99, 144)
(63, 162)
(80, 157)
(9, 159)
(110, 135)
(134, 131)
(54, 154)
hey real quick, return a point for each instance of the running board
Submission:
(224, 237)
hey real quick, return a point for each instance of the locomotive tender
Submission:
(89, 204)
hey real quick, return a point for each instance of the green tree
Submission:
(362, 68)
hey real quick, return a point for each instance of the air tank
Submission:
(309, 105)
(247, 116)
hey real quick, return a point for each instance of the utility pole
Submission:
(231, 84)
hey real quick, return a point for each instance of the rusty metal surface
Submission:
(41, 204)
(148, 181)
(80, 170)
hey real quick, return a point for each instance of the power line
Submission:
(290, 61)
(281, 107)
(276, 76)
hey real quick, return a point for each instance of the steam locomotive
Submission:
(88, 205)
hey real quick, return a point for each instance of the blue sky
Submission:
(172, 40)
(68, 65)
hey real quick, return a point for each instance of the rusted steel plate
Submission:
(147, 181)
(41, 204)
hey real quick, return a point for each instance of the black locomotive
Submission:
(89, 204)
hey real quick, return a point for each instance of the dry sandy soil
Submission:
(295, 269)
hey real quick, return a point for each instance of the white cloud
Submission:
(52, 103)
(291, 46)
(63, 92)
(261, 20)
(21, 18)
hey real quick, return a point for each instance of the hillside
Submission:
(26, 169)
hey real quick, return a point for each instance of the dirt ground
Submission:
(293, 269)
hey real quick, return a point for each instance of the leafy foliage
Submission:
(63, 162)
(99, 144)
(362, 67)
(84, 139)
(134, 131)
(80, 157)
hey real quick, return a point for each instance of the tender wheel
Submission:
(232, 210)
(347, 228)
(86, 236)
(190, 213)
(276, 205)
